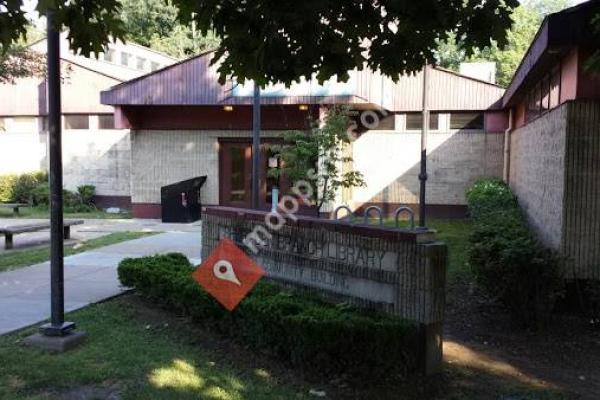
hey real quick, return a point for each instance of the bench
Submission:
(15, 206)
(10, 231)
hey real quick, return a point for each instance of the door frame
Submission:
(262, 178)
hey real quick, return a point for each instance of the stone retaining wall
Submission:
(401, 272)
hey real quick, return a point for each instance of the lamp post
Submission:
(58, 335)
(256, 148)
(424, 133)
(57, 325)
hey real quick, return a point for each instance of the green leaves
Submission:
(320, 150)
(91, 23)
(275, 41)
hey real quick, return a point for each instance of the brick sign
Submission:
(397, 271)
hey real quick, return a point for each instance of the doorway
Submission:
(235, 173)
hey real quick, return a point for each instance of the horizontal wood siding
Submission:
(581, 239)
(195, 82)
(80, 93)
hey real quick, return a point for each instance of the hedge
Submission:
(297, 327)
(19, 188)
(507, 259)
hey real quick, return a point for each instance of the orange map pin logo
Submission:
(228, 274)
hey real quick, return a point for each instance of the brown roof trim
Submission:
(139, 78)
(449, 71)
(91, 69)
(548, 33)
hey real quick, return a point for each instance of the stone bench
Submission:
(10, 231)
(15, 206)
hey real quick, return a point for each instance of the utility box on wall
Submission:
(180, 202)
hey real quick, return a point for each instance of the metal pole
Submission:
(57, 325)
(424, 132)
(256, 148)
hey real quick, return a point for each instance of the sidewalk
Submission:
(89, 277)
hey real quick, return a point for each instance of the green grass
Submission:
(455, 233)
(42, 212)
(20, 258)
(142, 361)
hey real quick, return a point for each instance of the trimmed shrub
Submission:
(507, 259)
(19, 188)
(86, 194)
(297, 327)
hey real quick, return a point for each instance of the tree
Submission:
(154, 23)
(20, 62)
(271, 41)
(527, 19)
(317, 157)
(91, 24)
(275, 41)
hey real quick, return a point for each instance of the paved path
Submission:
(92, 228)
(89, 277)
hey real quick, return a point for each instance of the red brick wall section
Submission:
(146, 210)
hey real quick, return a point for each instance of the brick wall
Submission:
(90, 157)
(160, 157)
(390, 163)
(537, 162)
(555, 173)
(581, 214)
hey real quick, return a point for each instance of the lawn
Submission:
(20, 258)
(134, 352)
(43, 212)
(455, 233)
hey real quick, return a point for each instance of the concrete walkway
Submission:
(89, 277)
(91, 228)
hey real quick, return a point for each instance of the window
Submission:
(109, 55)
(466, 121)
(106, 121)
(23, 124)
(414, 121)
(140, 63)
(154, 66)
(383, 123)
(77, 121)
(125, 58)
(555, 88)
(544, 96)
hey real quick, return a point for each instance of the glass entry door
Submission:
(235, 174)
(235, 183)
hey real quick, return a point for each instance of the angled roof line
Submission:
(449, 71)
(159, 70)
(91, 69)
(544, 22)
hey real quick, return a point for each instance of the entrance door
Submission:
(235, 174)
(235, 177)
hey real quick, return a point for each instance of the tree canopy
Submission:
(19, 62)
(155, 24)
(527, 19)
(275, 41)
(272, 41)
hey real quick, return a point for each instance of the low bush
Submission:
(19, 188)
(506, 257)
(299, 328)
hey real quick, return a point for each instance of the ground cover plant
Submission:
(302, 329)
(507, 259)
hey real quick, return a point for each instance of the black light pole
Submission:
(256, 148)
(57, 325)
(424, 132)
